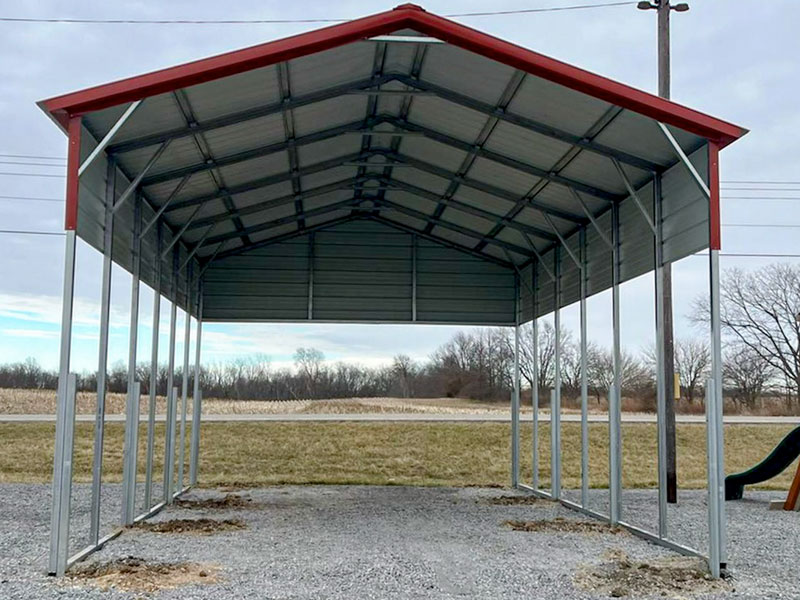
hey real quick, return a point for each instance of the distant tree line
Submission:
(761, 328)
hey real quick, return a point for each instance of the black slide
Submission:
(781, 457)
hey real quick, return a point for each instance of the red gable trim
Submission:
(404, 16)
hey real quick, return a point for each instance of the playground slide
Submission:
(775, 463)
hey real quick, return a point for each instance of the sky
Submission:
(734, 59)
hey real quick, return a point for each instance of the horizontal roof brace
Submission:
(371, 92)
(473, 210)
(437, 240)
(265, 181)
(531, 124)
(406, 39)
(246, 115)
(506, 160)
(452, 226)
(487, 188)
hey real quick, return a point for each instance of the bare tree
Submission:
(760, 310)
(692, 361)
(745, 375)
(309, 365)
(404, 370)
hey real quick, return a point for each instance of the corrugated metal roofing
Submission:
(467, 150)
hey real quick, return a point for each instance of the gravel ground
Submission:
(392, 542)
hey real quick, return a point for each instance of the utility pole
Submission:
(663, 7)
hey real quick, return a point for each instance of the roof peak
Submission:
(409, 6)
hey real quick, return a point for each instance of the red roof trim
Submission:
(404, 16)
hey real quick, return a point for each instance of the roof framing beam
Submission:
(273, 203)
(506, 160)
(503, 114)
(469, 209)
(436, 239)
(245, 115)
(285, 86)
(487, 188)
(453, 227)
(259, 152)
(277, 239)
(514, 83)
(265, 181)
(316, 212)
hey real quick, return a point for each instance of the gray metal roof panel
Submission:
(526, 146)
(331, 67)
(253, 88)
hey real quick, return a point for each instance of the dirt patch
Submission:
(192, 526)
(562, 525)
(132, 574)
(227, 501)
(512, 500)
(669, 577)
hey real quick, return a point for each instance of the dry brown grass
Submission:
(191, 526)
(19, 401)
(132, 574)
(226, 502)
(254, 454)
(562, 525)
(514, 500)
(669, 577)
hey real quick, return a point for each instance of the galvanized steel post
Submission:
(661, 383)
(169, 446)
(515, 393)
(615, 393)
(584, 373)
(185, 382)
(102, 353)
(151, 412)
(535, 373)
(65, 423)
(197, 401)
(555, 401)
(132, 407)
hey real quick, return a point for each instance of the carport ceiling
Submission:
(403, 116)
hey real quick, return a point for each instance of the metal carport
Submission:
(396, 168)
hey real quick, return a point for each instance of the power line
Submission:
(32, 174)
(32, 156)
(288, 21)
(763, 181)
(767, 225)
(748, 255)
(25, 232)
(758, 189)
(30, 198)
(761, 198)
(31, 164)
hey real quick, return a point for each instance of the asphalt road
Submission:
(418, 417)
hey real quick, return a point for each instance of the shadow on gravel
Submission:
(191, 526)
(562, 525)
(132, 574)
(670, 577)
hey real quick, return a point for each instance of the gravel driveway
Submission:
(392, 542)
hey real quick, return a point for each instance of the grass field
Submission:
(252, 454)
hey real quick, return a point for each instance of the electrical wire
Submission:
(289, 21)
(32, 156)
(32, 164)
(31, 174)
(25, 232)
(30, 198)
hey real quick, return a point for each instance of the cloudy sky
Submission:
(734, 59)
